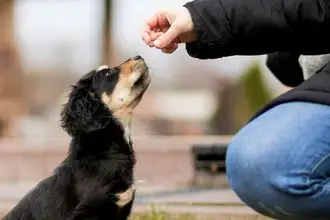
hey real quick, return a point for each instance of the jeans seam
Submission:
(314, 170)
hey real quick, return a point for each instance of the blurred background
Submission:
(46, 45)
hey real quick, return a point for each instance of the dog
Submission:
(95, 180)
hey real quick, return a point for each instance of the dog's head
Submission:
(105, 95)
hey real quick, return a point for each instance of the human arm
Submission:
(254, 27)
(243, 27)
(285, 67)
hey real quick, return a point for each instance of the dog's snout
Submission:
(138, 57)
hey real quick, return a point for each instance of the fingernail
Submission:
(157, 43)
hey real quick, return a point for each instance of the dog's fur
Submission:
(96, 180)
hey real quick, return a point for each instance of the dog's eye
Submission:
(108, 73)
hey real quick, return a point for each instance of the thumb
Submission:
(168, 37)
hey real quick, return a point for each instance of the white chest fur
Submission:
(125, 197)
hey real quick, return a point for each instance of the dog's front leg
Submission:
(84, 211)
(94, 211)
(123, 198)
(126, 210)
(125, 202)
(90, 213)
(100, 205)
(94, 206)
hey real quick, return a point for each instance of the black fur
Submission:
(285, 67)
(99, 164)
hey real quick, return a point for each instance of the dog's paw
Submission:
(125, 197)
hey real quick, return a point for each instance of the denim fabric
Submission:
(279, 164)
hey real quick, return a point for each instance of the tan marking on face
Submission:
(125, 197)
(122, 96)
(123, 114)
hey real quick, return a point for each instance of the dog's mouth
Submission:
(138, 98)
(142, 78)
(140, 86)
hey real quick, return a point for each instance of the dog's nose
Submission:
(138, 57)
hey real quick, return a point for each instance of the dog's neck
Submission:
(99, 142)
(125, 118)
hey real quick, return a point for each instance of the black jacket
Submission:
(255, 27)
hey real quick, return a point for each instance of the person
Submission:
(279, 162)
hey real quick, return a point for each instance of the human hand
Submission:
(168, 28)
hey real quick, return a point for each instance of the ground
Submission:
(153, 215)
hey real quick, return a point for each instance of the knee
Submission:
(246, 163)
(258, 166)
(254, 162)
(251, 153)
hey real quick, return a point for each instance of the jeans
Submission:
(279, 163)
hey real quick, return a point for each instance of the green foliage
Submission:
(253, 95)
(239, 101)
(255, 90)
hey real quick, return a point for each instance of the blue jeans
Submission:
(279, 164)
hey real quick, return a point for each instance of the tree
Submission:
(11, 73)
(107, 31)
(238, 102)
(253, 95)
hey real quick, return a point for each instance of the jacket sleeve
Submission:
(285, 67)
(254, 27)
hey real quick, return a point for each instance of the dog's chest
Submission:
(125, 197)
(113, 175)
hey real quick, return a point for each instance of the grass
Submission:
(155, 214)
(162, 215)
(166, 216)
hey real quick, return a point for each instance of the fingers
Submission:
(146, 31)
(168, 49)
(160, 33)
(153, 21)
(153, 24)
(167, 38)
(153, 36)
(171, 48)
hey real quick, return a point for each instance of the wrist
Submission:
(189, 34)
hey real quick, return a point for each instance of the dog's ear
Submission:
(84, 112)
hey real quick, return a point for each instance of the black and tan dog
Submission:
(96, 180)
